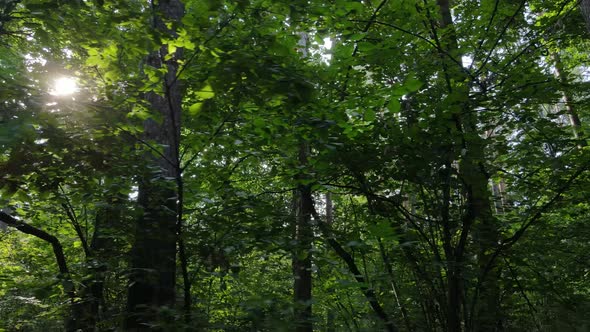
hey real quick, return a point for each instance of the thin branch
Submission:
(368, 25)
(198, 52)
(509, 242)
(217, 132)
(522, 292)
(488, 26)
(429, 42)
(70, 213)
(349, 260)
(148, 145)
(504, 29)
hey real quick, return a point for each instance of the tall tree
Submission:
(153, 276)
(418, 117)
(477, 215)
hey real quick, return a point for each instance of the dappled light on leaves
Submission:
(295, 165)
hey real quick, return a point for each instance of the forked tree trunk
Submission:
(477, 218)
(153, 262)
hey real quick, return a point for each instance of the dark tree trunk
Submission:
(330, 315)
(303, 235)
(182, 257)
(104, 252)
(585, 8)
(477, 218)
(153, 262)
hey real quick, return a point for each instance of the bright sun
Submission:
(64, 86)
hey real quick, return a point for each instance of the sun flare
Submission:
(64, 86)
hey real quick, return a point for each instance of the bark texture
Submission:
(477, 222)
(585, 8)
(303, 235)
(153, 264)
(104, 253)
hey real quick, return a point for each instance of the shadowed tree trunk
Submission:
(104, 251)
(303, 235)
(330, 315)
(585, 8)
(153, 262)
(477, 219)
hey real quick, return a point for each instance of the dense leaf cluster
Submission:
(426, 171)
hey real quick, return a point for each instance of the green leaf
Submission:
(370, 115)
(195, 108)
(412, 85)
(382, 230)
(394, 105)
(206, 93)
(139, 112)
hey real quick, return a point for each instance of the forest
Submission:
(302, 165)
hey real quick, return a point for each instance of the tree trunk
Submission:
(330, 315)
(153, 262)
(570, 108)
(303, 235)
(182, 257)
(585, 8)
(104, 253)
(487, 314)
(478, 210)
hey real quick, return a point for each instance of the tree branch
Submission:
(347, 258)
(57, 249)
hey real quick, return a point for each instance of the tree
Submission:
(153, 276)
(428, 171)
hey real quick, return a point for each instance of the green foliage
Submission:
(406, 122)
